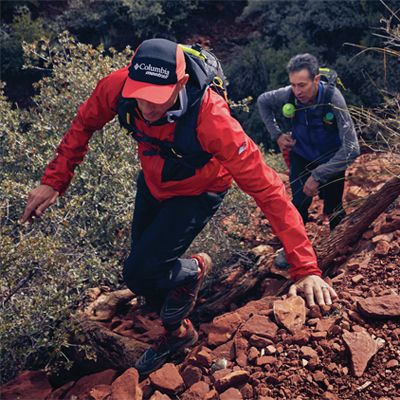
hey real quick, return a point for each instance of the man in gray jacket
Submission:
(321, 140)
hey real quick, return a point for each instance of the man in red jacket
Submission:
(190, 149)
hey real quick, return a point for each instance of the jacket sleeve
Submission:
(221, 135)
(349, 149)
(92, 115)
(267, 104)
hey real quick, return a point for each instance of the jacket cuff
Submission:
(301, 272)
(60, 188)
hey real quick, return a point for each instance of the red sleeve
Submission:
(92, 115)
(221, 135)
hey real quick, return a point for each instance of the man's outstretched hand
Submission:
(315, 290)
(39, 199)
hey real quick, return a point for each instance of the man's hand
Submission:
(39, 199)
(311, 187)
(285, 142)
(314, 288)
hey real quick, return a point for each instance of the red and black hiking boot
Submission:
(180, 301)
(154, 357)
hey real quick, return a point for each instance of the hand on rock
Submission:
(315, 290)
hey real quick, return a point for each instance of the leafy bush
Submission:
(120, 22)
(46, 267)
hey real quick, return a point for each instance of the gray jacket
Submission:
(270, 103)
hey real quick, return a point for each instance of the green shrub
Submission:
(46, 267)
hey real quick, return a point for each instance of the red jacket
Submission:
(235, 156)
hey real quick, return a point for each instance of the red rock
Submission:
(301, 337)
(357, 278)
(196, 392)
(253, 354)
(329, 396)
(211, 395)
(270, 350)
(191, 375)
(27, 385)
(231, 394)
(382, 248)
(383, 306)
(266, 360)
(204, 357)
(100, 392)
(226, 350)
(307, 352)
(318, 376)
(167, 379)
(392, 364)
(259, 341)
(223, 328)
(217, 375)
(247, 391)
(314, 312)
(318, 335)
(83, 386)
(159, 396)
(326, 325)
(259, 325)
(241, 346)
(386, 237)
(362, 348)
(290, 313)
(127, 386)
(232, 379)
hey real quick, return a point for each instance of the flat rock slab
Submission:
(167, 379)
(362, 348)
(290, 313)
(259, 325)
(383, 306)
(127, 386)
(223, 328)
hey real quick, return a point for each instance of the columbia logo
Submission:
(148, 69)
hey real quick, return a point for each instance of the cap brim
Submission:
(158, 94)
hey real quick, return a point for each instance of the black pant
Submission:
(330, 192)
(161, 232)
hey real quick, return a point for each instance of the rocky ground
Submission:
(270, 347)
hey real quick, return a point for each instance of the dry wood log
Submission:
(110, 349)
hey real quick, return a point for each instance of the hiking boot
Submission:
(180, 301)
(280, 260)
(154, 357)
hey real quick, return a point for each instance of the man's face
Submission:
(304, 88)
(152, 112)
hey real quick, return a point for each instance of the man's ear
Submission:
(317, 78)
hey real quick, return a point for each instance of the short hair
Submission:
(303, 61)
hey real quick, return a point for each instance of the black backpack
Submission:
(184, 155)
